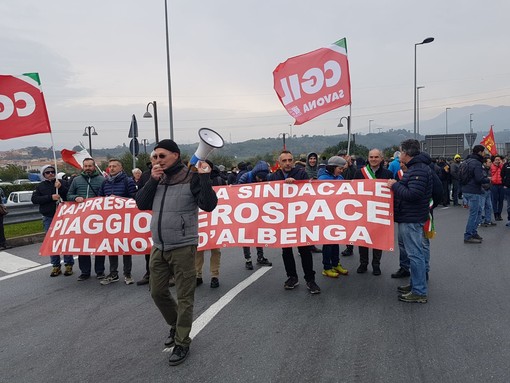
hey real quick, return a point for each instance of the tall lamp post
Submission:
(446, 119)
(340, 125)
(370, 126)
(87, 132)
(426, 41)
(147, 114)
(283, 134)
(417, 131)
(145, 142)
(170, 114)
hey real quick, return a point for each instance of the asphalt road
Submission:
(61, 330)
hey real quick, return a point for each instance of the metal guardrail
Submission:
(22, 213)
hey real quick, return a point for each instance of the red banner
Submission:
(314, 83)
(22, 107)
(270, 214)
(489, 143)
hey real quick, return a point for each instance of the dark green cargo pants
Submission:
(181, 264)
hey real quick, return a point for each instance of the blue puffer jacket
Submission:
(328, 176)
(413, 192)
(249, 177)
(120, 186)
(474, 186)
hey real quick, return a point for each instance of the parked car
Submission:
(19, 198)
(21, 181)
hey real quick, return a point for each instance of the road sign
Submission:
(136, 148)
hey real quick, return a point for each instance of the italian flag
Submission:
(75, 159)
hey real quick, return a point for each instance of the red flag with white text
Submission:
(314, 83)
(22, 107)
(489, 143)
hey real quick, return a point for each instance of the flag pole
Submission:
(54, 157)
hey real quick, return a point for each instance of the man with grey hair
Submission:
(373, 170)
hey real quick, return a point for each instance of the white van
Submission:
(19, 198)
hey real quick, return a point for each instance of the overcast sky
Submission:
(102, 61)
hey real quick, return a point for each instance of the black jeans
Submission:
(306, 262)
(85, 264)
(114, 264)
(376, 256)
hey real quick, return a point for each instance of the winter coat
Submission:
(413, 192)
(476, 178)
(42, 196)
(296, 173)
(85, 186)
(121, 186)
(380, 174)
(249, 177)
(496, 178)
(312, 170)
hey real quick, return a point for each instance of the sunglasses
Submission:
(49, 172)
(161, 156)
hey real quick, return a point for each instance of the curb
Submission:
(26, 239)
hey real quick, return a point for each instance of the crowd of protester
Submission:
(419, 183)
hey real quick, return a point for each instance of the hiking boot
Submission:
(128, 279)
(472, 240)
(340, 270)
(476, 236)
(100, 276)
(404, 289)
(179, 355)
(313, 288)
(401, 273)
(330, 273)
(347, 252)
(144, 280)
(248, 265)
(83, 277)
(491, 224)
(291, 283)
(215, 282)
(376, 270)
(110, 278)
(199, 281)
(362, 268)
(68, 270)
(412, 298)
(171, 281)
(170, 341)
(315, 249)
(55, 271)
(261, 261)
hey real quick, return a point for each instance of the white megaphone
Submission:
(209, 140)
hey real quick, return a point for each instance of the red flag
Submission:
(22, 107)
(489, 143)
(314, 83)
(73, 158)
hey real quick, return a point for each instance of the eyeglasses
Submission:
(49, 172)
(161, 156)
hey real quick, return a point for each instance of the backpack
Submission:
(464, 172)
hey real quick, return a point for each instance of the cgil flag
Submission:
(73, 158)
(489, 143)
(314, 83)
(22, 107)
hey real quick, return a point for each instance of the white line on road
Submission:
(10, 263)
(215, 308)
(29, 270)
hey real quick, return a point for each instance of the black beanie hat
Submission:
(169, 145)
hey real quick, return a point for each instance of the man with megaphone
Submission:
(174, 193)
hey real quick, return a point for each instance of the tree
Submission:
(12, 172)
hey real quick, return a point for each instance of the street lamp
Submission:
(470, 122)
(370, 126)
(145, 142)
(168, 76)
(340, 125)
(417, 131)
(446, 117)
(426, 41)
(283, 134)
(147, 114)
(94, 133)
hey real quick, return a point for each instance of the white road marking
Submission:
(215, 308)
(27, 270)
(11, 263)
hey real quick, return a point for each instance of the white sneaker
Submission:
(129, 279)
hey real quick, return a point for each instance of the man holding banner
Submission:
(87, 185)
(174, 193)
(288, 173)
